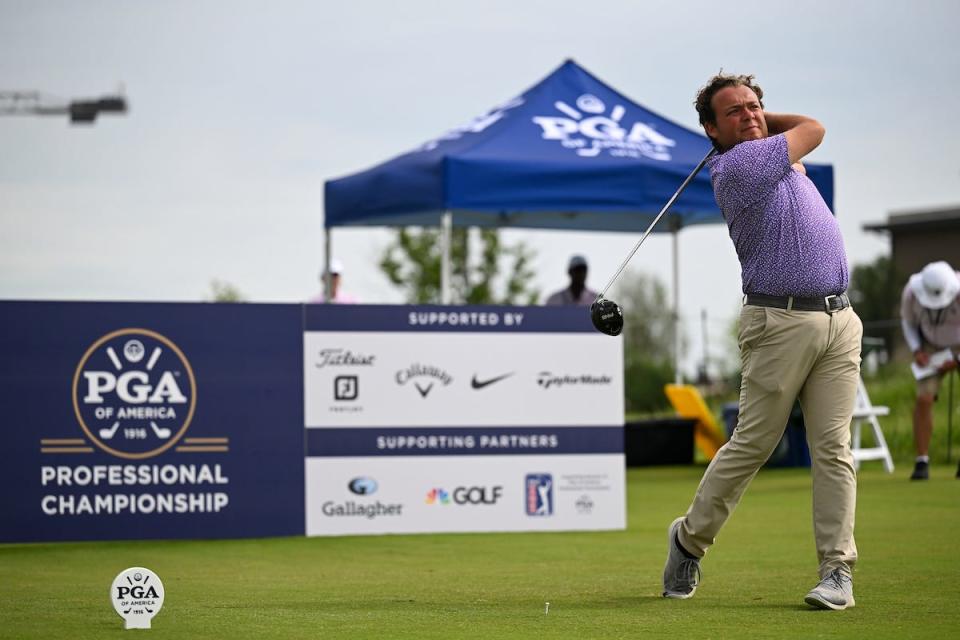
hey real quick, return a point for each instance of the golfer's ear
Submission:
(711, 130)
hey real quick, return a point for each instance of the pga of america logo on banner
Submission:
(134, 395)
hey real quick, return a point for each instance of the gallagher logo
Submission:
(589, 131)
(363, 486)
(134, 393)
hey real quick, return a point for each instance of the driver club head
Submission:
(607, 317)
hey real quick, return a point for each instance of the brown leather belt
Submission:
(827, 304)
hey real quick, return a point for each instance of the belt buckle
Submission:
(830, 308)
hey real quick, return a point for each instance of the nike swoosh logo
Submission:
(478, 384)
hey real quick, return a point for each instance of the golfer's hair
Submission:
(716, 83)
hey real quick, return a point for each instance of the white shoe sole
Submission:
(816, 601)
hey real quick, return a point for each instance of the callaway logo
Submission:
(429, 375)
(480, 384)
(589, 132)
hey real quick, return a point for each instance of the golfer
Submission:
(798, 337)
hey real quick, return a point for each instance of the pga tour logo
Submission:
(137, 596)
(589, 130)
(134, 393)
(538, 494)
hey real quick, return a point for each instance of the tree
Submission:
(223, 291)
(875, 290)
(412, 263)
(648, 331)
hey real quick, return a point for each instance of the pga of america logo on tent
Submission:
(589, 130)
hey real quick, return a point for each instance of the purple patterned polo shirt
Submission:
(787, 240)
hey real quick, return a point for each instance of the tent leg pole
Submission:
(327, 285)
(446, 233)
(677, 378)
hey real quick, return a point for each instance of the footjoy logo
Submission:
(538, 494)
(423, 377)
(589, 131)
(134, 393)
(548, 380)
(363, 486)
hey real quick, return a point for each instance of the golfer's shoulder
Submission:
(752, 156)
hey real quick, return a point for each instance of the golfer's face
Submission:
(739, 117)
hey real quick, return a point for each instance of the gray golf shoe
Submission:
(834, 592)
(681, 574)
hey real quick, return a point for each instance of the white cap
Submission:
(336, 267)
(936, 285)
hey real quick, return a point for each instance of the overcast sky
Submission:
(241, 110)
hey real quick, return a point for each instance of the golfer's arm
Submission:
(803, 134)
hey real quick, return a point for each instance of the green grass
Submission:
(599, 585)
(895, 387)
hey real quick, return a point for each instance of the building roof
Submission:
(926, 219)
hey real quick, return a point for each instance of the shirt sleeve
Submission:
(908, 320)
(751, 170)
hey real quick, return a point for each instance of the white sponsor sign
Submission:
(369, 379)
(373, 495)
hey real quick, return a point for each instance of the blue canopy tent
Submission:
(569, 153)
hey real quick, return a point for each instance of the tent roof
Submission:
(569, 153)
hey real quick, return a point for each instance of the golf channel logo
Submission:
(466, 495)
(134, 393)
(137, 596)
(588, 130)
(538, 494)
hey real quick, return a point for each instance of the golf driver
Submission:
(606, 314)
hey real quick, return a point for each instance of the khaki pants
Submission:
(788, 354)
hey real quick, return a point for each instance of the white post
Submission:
(677, 378)
(327, 284)
(446, 237)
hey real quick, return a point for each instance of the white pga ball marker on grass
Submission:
(137, 595)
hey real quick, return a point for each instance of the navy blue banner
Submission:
(466, 441)
(144, 420)
(429, 318)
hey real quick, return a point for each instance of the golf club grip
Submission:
(666, 207)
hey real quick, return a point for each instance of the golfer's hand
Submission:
(949, 365)
(921, 358)
(798, 166)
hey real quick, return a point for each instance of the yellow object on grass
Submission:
(688, 403)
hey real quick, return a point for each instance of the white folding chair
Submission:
(864, 411)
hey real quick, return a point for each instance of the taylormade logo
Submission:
(589, 131)
(549, 380)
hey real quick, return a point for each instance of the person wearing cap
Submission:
(576, 293)
(930, 317)
(338, 296)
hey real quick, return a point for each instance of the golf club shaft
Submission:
(654, 223)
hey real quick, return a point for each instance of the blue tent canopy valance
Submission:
(569, 153)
